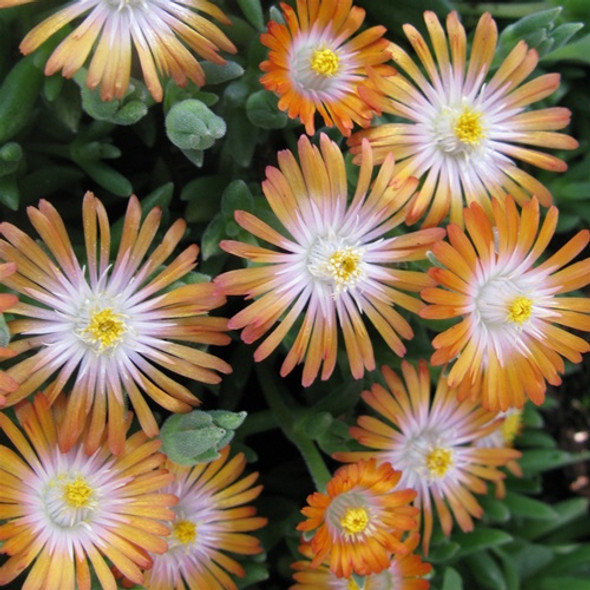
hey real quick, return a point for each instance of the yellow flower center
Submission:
(77, 493)
(520, 310)
(352, 585)
(468, 128)
(511, 427)
(344, 266)
(355, 520)
(324, 62)
(185, 531)
(105, 328)
(438, 461)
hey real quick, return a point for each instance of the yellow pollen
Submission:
(439, 461)
(520, 310)
(185, 531)
(352, 585)
(468, 127)
(324, 62)
(344, 266)
(511, 427)
(355, 520)
(77, 493)
(106, 328)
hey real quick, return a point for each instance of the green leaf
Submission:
(10, 157)
(9, 193)
(538, 460)
(452, 580)
(576, 51)
(520, 505)
(213, 234)
(191, 125)
(236, 196)
(315, 424)
(262, 109)
(494, 509)
(106, 177)
(443, 552)
(529, 558)
(568, 511)
(480, 538)
(226, 419)
(252, 10)
(217, 74)
(511, 576)
(486, 571)
(4, 332)
(565, 582)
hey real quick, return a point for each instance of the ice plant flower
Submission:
(512, 329)
(61, 510)
(315, 63)
(7, 300)
(357, 522)
(432, 443)
(109, 327)
(336, 261)
(210, 520)
(162, 32)
(463, 129)
(404, 573)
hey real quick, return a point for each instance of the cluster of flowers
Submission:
(79, 489)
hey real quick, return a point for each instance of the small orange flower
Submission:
(462, 130)
(404, 573)
(161, 31)
(315, 64)
(432, 443)
(109, 327)
(357, 522)
(514, 324)
(62, 510)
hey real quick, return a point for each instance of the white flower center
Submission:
(459, 130)
(336, 263)
(313, 66)
(69, 500)
(502, 301)
(100, 326)
(120, 5)
(184, 531)
(350, 515)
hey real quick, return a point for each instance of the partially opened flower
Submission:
(315, 64)
(357, 522)
(62, 510)
(432, 443)
(463, 129)
(405, 572)
(210, 521)
(513, 322)
(162, 32)
(7, 300)
(334, 265)
(109, 328)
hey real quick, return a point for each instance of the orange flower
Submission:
(7, 300)
(404, 573)
(511, 337)
(108, 327)
(162, 32)
(210, 520)
(463, 128)
(61, 510)
(432, 443)
(357, 522)
(315, 64)
(337, 264)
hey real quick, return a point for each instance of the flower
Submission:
(109, 326)
(404, 573)
(511, 337)
(62, 509)
(433, 444)
(334, 263)
(210, 520)
(315, 64)
(7, 300)
(162, 32)
(465, 130)
(357, 522)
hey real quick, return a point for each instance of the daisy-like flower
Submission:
(108, 327)
(162, 32)
(404, 573)
(211, 519)
(315, 64)
(61, 510)
(356, 524)
(510, 339)
(465, 129)
(433, 444)
(7, 300)
(334, 263)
